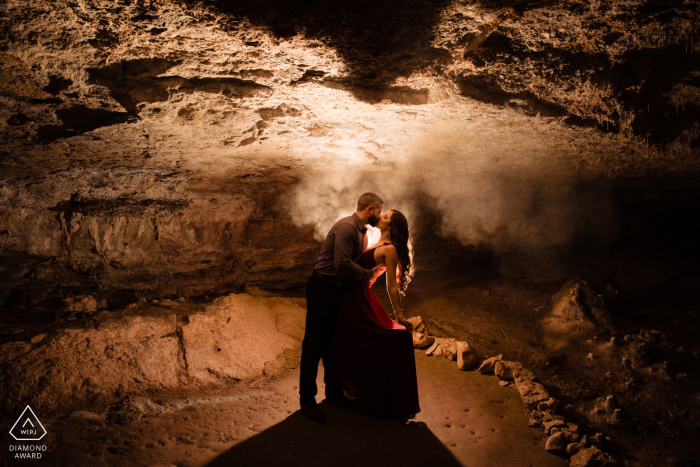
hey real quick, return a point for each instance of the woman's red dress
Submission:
(373, 368)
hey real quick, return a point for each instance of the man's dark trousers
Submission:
(322, 303)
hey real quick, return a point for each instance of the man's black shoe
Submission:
(314, 412)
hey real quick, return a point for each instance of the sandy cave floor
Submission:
(468, 420)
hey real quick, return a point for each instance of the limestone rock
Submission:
(11, 350)
(78, 307)
(551, 404)
(432, 348)
(421, 341)
(133, 409)
(606, 411)
(234, 337)
(505, 370)
(466, 356)
(419, 325)
(573, 448)
(127, 355)
(488, 365)
(531, 393)
(38, 338)
(554, 423)
(443, 347)
(556, 443)
(591, 457)
(577, 301)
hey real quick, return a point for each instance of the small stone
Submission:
(590, 356)
(504, 384)
(534, 422)
(531, 393)
(598, 440)
(466, 356)
(681, 349)
(551, 404)
(573, 448)
(626, 362)
(584, 441)
(556, 443)
(447, 348)
(486, 293)
(421, 340)
(419, 325)
(554, 423)
(432, 348)
(610, 403)
(506, 370)
(38, 338)
(589, 457)
(489, 364)
(613, 340)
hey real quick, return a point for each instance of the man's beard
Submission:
(373, 220)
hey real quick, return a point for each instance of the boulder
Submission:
(505, 370)
(466, 356)
(125, 355)
(556, 443)
(488, 365)
(235, 337)
(591, 457)
(577, 301)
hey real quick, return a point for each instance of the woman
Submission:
(374, 369)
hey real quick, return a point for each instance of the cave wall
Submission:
(177, 148)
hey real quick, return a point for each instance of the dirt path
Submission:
(469, 420)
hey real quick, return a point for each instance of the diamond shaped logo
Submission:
(28, 427)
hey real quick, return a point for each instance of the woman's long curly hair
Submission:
(401, 238)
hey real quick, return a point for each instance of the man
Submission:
(345, 242)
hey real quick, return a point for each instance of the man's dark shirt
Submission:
(346, 241)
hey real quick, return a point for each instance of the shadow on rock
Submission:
(379, 40)
(348, 439)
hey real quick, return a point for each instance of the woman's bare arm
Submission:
(391, 260)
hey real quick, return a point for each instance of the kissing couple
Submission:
(368, 359)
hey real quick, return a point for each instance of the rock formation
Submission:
(177, 148)
(126, 352)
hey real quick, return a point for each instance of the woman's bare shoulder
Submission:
(389, 249)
